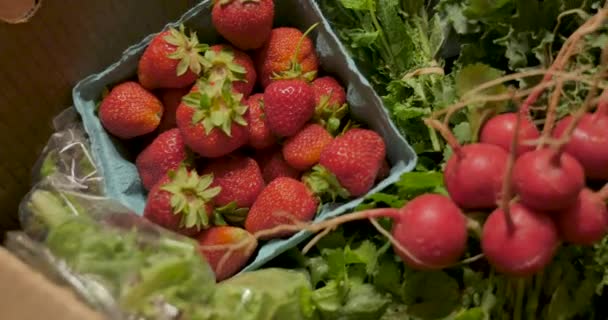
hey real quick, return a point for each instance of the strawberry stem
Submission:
(190, 194)
(294, 59)
(295, 68)
(188, 50)
(324, 184)
(216, 105)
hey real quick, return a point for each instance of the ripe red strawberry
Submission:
(165, 153)
(239, 177)
(288, 104)
(226, 63)
(260, 136)
(211, 120)
(171, 98)
(303, 150)
(129, 111)
(384, 172)
(171, 60)
(329, 92)
(182, 202)
(273, 165)
(355, 159)
(245, 23)
(282, 56)
(226, 235)
(282, 201)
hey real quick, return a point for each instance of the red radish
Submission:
(429, 233)
(474, 174)
(500, 131)
(586, 222)
(547, 179)
(433, 230)
(588, 142)
(522, 249)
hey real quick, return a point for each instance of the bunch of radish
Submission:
(536, 197)
(534, 187)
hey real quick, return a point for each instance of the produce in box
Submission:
(279, 109)
(505, 219)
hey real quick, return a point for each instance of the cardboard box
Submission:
(26, 294)
(47, 47)
(44, 57)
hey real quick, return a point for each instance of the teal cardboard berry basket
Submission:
(116, 158)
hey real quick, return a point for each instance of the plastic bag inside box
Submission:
(115, 158)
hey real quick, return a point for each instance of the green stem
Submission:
(299, 46)
(434, 139)
(519, 298)
(376, 24)
(533, 301)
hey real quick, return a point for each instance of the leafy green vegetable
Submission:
(512, 34)
(268, 294)
(421, 56)
(410, 185)
(142, 271)
(397, 44)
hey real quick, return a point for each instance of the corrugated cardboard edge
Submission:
(18, 11)
(27, 295)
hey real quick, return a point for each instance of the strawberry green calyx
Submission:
(324, 184)
(222, 67)
(190, 195)
(330, 116)
(295, 67)
(216, 105)
(188, 50)
(233, 214)
(227, 2)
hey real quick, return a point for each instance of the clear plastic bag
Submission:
(117, 261)
(67, 155)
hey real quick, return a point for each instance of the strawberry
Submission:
(303, 150)
(211, 120)
(245, 23)
(282, 201)
(288, 53)
(171, 98)
(288, 104)
(171, 60)
(260, 136)
(182, 202)
(165, 153)
(129, 111)
(330, 98)
(352, 159)
(329, 92)
(233, 261)
(227, 64)
(384, 172)
(273, 166)
(241, 182)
